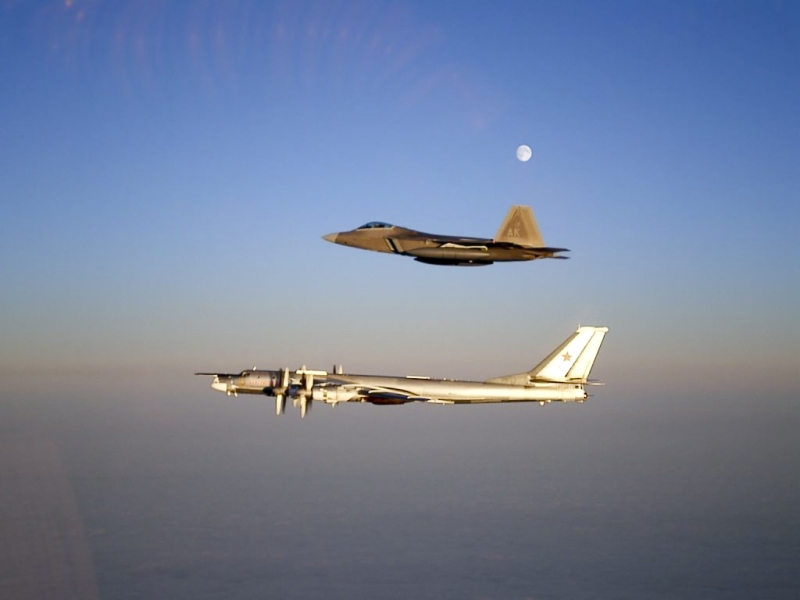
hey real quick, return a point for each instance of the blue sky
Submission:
(167, 170)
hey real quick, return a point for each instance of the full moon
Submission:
(524, 153)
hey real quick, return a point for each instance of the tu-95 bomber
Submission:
(561, 377)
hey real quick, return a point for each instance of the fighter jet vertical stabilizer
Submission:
(520, 227)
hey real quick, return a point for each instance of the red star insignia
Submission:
(566, 356)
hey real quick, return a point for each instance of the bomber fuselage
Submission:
(368, 388)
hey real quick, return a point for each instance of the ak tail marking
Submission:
(520, 228)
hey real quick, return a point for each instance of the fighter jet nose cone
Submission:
(331, 237)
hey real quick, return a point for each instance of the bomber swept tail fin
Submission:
(520, 227)
(571, 362)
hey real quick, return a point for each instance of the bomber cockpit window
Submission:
(376, 225)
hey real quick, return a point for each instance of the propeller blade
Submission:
(303, 396)
(305, 404)
(308, 382)
(280, 404)
(281, 391)
(284, 379)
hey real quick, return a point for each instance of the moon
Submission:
(524, 153)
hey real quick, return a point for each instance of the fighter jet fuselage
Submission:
(518, 239)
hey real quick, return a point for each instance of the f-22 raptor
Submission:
(517, 239)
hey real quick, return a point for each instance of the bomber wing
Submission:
(377, 394)
(370, 392)
(221, 374)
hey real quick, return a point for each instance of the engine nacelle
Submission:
(333, 394)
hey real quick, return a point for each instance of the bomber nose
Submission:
(331, 237)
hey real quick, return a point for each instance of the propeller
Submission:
(280, 392)
(304, 393)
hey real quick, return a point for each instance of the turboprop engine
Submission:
(304, 394)
(279, 391)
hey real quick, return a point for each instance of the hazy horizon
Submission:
(166, 174)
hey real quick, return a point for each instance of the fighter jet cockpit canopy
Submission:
(377, 225)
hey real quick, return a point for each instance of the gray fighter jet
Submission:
(518, 239)
(560, 377)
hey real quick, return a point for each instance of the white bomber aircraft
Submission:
(561, 377)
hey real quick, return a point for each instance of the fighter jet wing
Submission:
(485, 244)
(457, 242)
(541, 249)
